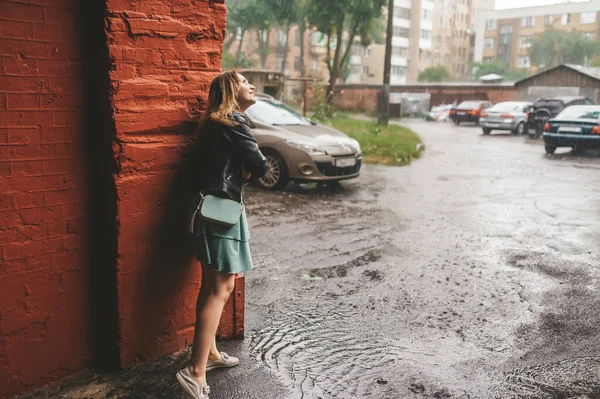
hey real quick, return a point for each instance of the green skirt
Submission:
(225, 249)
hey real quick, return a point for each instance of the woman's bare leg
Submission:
(216, 289)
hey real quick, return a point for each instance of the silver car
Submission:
(298, 149)
(509, 115)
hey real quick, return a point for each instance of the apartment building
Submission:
(507, 35)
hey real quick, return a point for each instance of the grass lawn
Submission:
(386, 145)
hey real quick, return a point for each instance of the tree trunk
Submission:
(239, 50)
(286, 47)
(302, 28)
(334, 72)
(263, 46)
(229, 41)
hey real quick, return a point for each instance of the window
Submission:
(438, 40)
(400, 32)
(491, 24)
(589, 35)
(396, 51)
(398, 70)
(365, 71)
(401, 12)
(565, 19)
(527, 22)
(425, 34)
(588, 17)
(448, 41)
(526, 41)
(425, 14)
(428, 56)
(297, 63)
(488, 42)
(367, 51)
(548, 20)
(437, 58)
(404, 51)
(315, 63)
(505, 29)
(446, 59)
(317, 39)
(238, 34)
(524, 62)
(487, 60)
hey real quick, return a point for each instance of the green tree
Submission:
(285, 12)
(249, 15)
(434, 74)
(499, 68)
(595, 62)
(336, 19)
(553, 47)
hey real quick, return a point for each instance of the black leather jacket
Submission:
(221, 151)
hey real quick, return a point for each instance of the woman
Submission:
(227, 156)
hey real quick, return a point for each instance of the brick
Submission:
(58, 134)
(120, 39)
(43, 246)
(40, 215)
(72, 211)
(123, 71)
(16, 152)
(3, 136)
(75, 69)
(16, 30)
(66, 85)
(56, 102)
(67, 51)
(141, 87)
(65, 119)
(28, 200)
(5, 168)
(6, 202)
(21, 12)
(52, 33)
(13, 251)
(24, 48)
(58, 166)
(19, 84)
(20, 66)
(26, 168)
(9, 219)
(52, 68)
(116, 25)
(2, 101)
(72, 242)
(60, 197)
(19, 184)
(59, 16)
(22, 102)
(69, 181)
(57, 229)
(30, 135)
(27, 118)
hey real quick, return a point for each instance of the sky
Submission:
(502, 4)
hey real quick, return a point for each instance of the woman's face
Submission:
(245, 96)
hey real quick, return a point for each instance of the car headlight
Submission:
(310, 148)
(355, 145)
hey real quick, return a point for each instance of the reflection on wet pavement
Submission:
(468, 274)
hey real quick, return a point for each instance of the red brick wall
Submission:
(44, 274)
(164, 54)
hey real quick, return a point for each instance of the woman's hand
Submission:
(246, 175)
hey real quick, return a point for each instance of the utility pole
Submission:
(383, 115)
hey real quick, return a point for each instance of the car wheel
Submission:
(520, 129)
(487, 131)
(457, 122)
(550, 149)
(277, 174)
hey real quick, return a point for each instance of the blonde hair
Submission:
(222, 98)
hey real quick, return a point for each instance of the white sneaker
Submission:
(226, 361)
(191, 385)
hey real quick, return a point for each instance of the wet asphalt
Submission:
(472, 273)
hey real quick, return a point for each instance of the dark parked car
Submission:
(578, 126)
(469, 111)
(545, 108)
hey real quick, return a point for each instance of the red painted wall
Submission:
(44, 274)
(164, 54)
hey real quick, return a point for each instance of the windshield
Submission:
(579, 113)
(275, 113)
(469, 105)
(506, 107)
